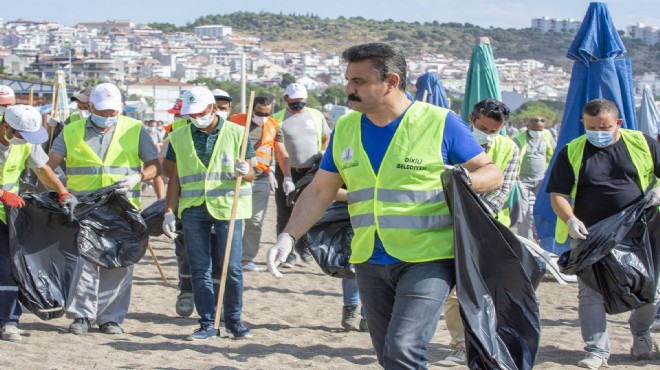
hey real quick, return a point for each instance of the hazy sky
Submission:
(485, 13)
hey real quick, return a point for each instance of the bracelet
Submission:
(290, 236)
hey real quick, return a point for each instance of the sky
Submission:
(485, 13)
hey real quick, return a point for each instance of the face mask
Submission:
(15, 141)
(534, 134)
(84, 113)
(259, 121)
(600, 139)
(161, 128)
(151, 129)
(297, 106)
(104, 122)
(202, 122)
(482, 137)
(223, 115)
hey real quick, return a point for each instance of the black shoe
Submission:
(79, 326)
(238, 329)
(111, 328)
(290, 261)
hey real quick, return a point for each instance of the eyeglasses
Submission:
(535, 120)
(261, 114)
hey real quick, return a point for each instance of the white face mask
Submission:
(482, 137)
(15, 141)
(223, 115)
(202, 122)
(534, 134)
(84, 113)
(259, 121)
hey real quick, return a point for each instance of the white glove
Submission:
(288, 185)
(654, 197)
(576, 229)
(169, 225)
(278, 253)
(241, 168)
(272, 180)
(127, 183)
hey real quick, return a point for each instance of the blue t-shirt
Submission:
(458, 146)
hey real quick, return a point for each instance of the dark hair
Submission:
(491, 108)
(386, 59)
(262, 100)
(598, 106)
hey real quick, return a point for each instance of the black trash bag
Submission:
(44, 254)
(329, 241)
(495, 280)
(619, 258)
(303, 182)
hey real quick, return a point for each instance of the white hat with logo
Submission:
(196, 100)
(26, 120)
(106, 96)
(296, 91)
(7, 96)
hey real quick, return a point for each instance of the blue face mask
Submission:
(297, 106)
(104, 122)
(600, 139)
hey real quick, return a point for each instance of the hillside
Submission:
(304, 32)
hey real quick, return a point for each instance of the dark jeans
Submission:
(185, 277)
(402, 304)
(10, 310)
(197, 223)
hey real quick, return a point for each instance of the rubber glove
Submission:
(13, 200)
(576, 229)
(127, 183)
(654, 197)
(69, 202)
(288, 185)
(272, 180)
(169, 225)
(241, 168)
(278, 253)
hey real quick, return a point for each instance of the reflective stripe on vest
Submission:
(521, 138)
(11, 170)
(639, 152)
(213, 186)
(317, 117)
(405, 203)
(500, 152)
(86, 172)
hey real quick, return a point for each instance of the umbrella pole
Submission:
(232, 219)
(31, 97)
(425, 96)
(160, 269)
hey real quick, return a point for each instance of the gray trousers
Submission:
(102, 295)
(253, 225)
(593, 319)
(528, 191)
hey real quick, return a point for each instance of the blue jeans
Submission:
(10, 310)
(403, 303)
(349, 290)
(197, 223)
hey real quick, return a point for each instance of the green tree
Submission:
(335, 94)
(534, 109)
(91, 82)
(287, 79)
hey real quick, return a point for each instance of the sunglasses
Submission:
(535, 120)
(260, 114)
(492, 106)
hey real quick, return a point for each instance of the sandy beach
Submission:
(296, 324)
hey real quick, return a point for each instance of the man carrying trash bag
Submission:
(594, 177)
(21, 134)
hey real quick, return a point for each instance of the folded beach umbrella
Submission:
(435, 91)
(482, 78)
(599, 71)
(649, 116)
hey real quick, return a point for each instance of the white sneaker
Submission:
(457, 355)
(592, 361)
(11, 333)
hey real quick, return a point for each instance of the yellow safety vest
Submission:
(521, 138)
(639, 152)
(86, 172)
(500, 152)
(74, 117)
(317, 117)
(405, 202)
(179, 123)
(11, 170)
(213, 186)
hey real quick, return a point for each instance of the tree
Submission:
(534, 109)
(91, 82)
(287, 79)
(333, 95)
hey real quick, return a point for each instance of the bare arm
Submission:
(49, 179)
(342, 195)
(167, 168)
(54, 160)
(150, 170)
(282, 159)
(324, 141)
(313, 202)
(561, 204)
(173, 190)
(484, 174)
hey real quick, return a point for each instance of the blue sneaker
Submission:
(203, 333)
(238, 329)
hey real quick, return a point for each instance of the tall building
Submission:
(648, 34)
(546, 24)
(214, 30)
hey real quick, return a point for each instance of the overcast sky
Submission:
(485, 13)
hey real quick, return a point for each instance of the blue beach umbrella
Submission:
(649, 116)
(436, 95)
(599, 71)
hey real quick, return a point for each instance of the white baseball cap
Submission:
(106, 96)
(196, 100)
(221, 95)
(296, 91)
(26, 120)
(7, 95)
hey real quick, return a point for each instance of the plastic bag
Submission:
(302, 183)
(495, 280)
(329, 241)
(619, 258)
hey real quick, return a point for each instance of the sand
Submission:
(296, 324)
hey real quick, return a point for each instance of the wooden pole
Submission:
(425, 96)
(53, 109)
(160, 270)
(31, 97)
(232, 220)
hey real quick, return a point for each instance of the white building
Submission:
(648, 34)
(546, 24)
(214, 30)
